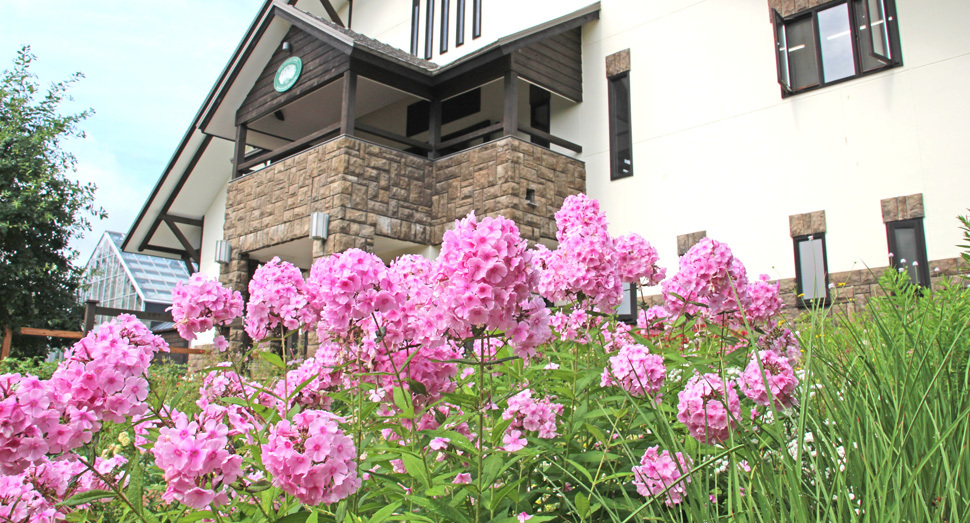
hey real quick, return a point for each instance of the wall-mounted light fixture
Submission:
(223, 252)
(286, 46)
(319, 225)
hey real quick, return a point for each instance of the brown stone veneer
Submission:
(851, 290)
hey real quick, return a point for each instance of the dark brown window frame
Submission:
(415, 27)
(896, 59)
(923, 266)
(800, 291)
(619, 141)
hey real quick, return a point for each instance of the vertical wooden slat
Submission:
(510, 120)
(348, 108)
(7, 339)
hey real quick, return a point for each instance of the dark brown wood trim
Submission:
(561, 142)
(335, 75)
(393, 136)
(328, 38)
(389, 73)
(166, 250)
(434, 127)
(510, 113)
(190, 251)
(175, 191)
(182, 219)
(332, 12)
(142, 315)
(494, 128)
(348, 104)
(240, 156)
(292, 148)
(51, 333)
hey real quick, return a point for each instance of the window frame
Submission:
(923, 269)
(616, 142)
(783, 66)
(801, 302)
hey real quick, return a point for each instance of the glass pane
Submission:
(784, 77)
(802, 63)
(620, 126)
(880, 28)
(869, 62)
(812, 265)
(836, 38)
(907, 251)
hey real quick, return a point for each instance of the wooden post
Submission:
(240, 157)
(434, 127)
(7, 338)
(348, 109)
(90, 310)
(510, 120)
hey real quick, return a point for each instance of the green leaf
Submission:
(136, 484)
(299, 517)
(582, 505)
(195, 516)
(443, 509)
(382, 514)
(86, 497)
(402, 402)
(416, 469)
(272, 359)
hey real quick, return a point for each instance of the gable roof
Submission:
(209, 140)
(153, 277)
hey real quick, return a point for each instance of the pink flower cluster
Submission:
(709, 407)
(659, 472)
(653, 321)
(311, 458)
(33, 495)
(713, 283)
(636, 371)
(782, 342)
(102, 377)
(777, 373)
(486, 280)
(322, 379)
(709, 274)
(528, 414)
(585, 263)
(202, 303)
(346, 288)
(277, 296)
(637, 260)
(195, 462)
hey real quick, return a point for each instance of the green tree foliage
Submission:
(41, 208)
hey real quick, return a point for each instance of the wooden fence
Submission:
(91, 310)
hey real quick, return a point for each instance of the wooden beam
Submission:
(186, 350)
(531, 131)
(90, 311)
(348, 104)
(30, 331)
(471, 136)
(142, 315)
(291, 148)
(189, 249)
(182, 219)
(510, 118)
(332, 12)
(166, 250)
(7, 339)
(393, 137)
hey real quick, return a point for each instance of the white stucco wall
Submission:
(716, 148)
(212, 231)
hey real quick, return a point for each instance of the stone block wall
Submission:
(510, 177)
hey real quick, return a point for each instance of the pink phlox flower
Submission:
(636, 371)
(637, 260)
(658, 472)
(462, 478)
(710, 275)
(530, 415)
(277, 297)
(709, 407)
(778, 375)
(202, 303)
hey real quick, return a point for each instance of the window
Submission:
(621, 138)
(540, 112)
(811, 270)
(835, 42)
(627, 311)
(415, 18)
(907, 249)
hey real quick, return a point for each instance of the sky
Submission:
(148, 67)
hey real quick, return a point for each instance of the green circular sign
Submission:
(288, 74)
